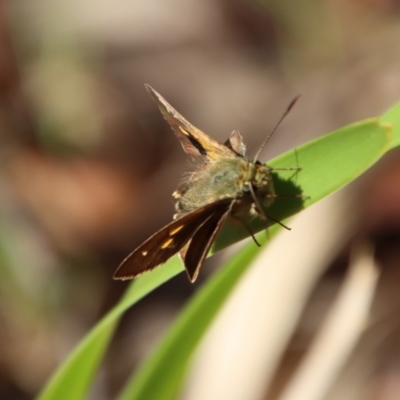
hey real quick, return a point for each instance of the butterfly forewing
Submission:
(200, 244)
(168, 241)
(193, 140)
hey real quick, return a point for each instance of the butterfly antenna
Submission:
(292, 103)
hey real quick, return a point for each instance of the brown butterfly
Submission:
(223, 185)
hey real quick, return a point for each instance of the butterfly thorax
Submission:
(228, 178)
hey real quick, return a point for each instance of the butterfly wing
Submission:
(194, 254)
(193, 140)
(235, 142)
(168, 241)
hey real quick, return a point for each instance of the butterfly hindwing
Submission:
(168, 241)
(193, 140)
(236, 143)
(199, 246)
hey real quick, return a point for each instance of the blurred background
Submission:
(88, 164)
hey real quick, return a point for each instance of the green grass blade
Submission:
(161, 377)
(366, 140)
(74, 377)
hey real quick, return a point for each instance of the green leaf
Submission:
(327, 164)
(161, 377)
(76, 374)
